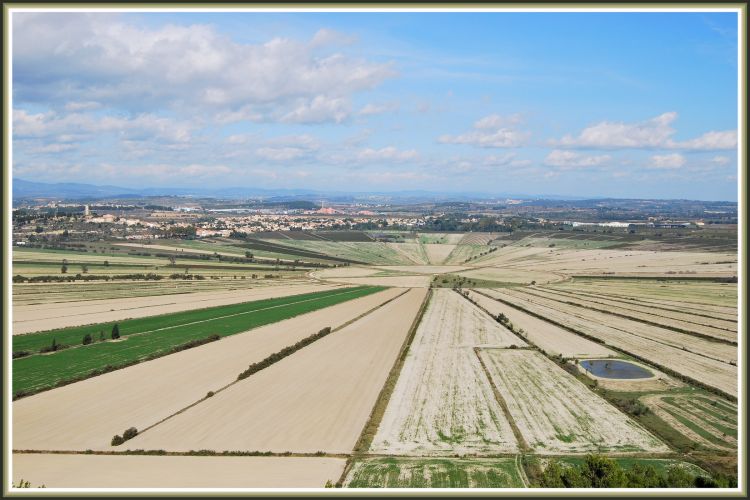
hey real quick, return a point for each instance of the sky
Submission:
(626, 105)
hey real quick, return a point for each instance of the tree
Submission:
(115, 332)
(87, 339)
(106, 263)
(117, 440)
(64, 268)
(248, 255)
(84, 268)
(130, 433)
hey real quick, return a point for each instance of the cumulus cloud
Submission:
(71, 57)
(319, 109)
(377, 109)
(388, 153)
(567, 160)
(493, 131)
(655, 133)
(720, 160)
(667, 162)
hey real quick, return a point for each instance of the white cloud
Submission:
(720, 160)
(388, 153)
(377, 109)
(668, 162)
(567, 160)
(492, 131)
(320, 109)
(655, 133)
(73, 57)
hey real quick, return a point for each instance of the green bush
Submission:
(117, 440)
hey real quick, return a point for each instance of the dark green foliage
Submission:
(598, 471)
(87, 339)
(277, 356)
(116, 331)
(117, 440)
(130, 433)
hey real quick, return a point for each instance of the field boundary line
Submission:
(666, 370)
(641, 320)
(381, 403)
(124, 337)
(191, 453)
(230, 384)
(628, 332)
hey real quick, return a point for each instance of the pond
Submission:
(614, 368)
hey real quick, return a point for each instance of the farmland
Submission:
(443, 402)
(556, 413)
(449, 360)
(152, 336)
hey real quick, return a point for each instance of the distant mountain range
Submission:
(23, 189)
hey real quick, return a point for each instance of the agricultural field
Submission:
(440, 238)
(438, 253)
(705, 419)
(144, 394)
(443, 401)
(87, 471)
(548, 337)
(555, 413)
(415, 252)
(435, 473)
(667, 352)
(463, 254)
(375, 253)
(148, 337)
(38, 317)
(308, 406)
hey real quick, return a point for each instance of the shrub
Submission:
(210, 394)
(130, 433)
(87, 339)
(116, 331)
(117, 440)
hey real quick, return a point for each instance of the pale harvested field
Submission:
(443, 401)
(344, 272)
(724, 330)
(462, 253)
(511, 275)
(711, 349)
(415, 252)
(371, 252)
(477, 238)
(130, 471)
(424, 269)
(720, 375)
(552, 339)
(317, 399)
(437, 253)
(87, 414)
(556, 413)
(441, 238)
(612, 261)
(419, 281)
(40, 317)
(702, 297)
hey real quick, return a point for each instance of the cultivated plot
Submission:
(435, 473)
(548, 337)
(705, 419)
(86, 415)
(443, 401)
(711, 372)
(556, 413)
(437, 253)
(39, 317)
(317, 399)
(133, 471)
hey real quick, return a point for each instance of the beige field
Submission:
(462, 253)
(556, 413)
(418, 281)
(39, 317)
(705, 347)
(723, 330)
(414, 252)
(317, 399)
(131, 471)
(437, 253)
(511, 275)
(552, 339)
(424, 269)
(344, 272)
(87, 414)
(477, 238)
(614, 261)
(711, 372)
(443, 402)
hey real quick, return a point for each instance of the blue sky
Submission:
(582, 104)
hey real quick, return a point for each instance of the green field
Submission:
(153, 336)
(435, 473)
